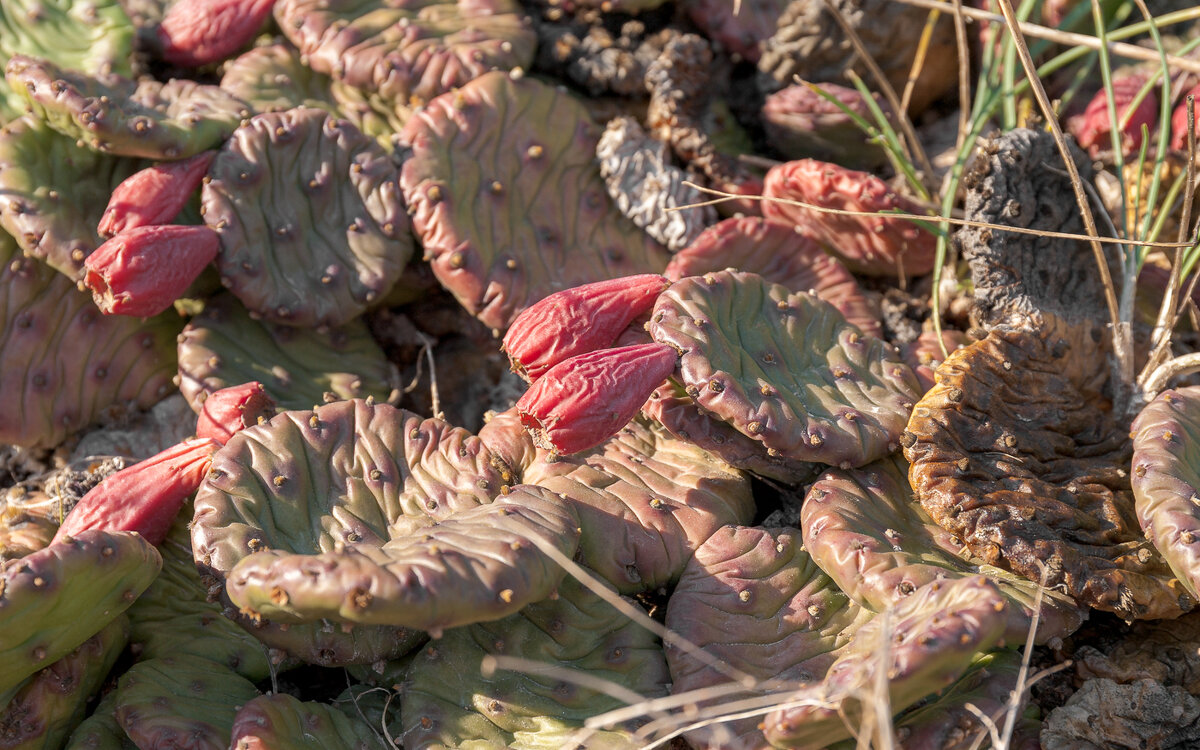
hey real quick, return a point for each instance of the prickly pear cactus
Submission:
(58, 597)
(800, 124)
(53, 702)
(224, 346)
(453, 699)
(898, 549)
(759, 607)
(281, 721)
(101, 730)
(508, 201)
(181, 701)
(1165, 479)
(310, 217)
(742, 30)
(115, 115)
(782, 254)
(408, 50)
(272, 78)
(802, 381)
(41, 173)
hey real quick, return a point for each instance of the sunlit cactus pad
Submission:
(785, 368)
(224, 346)
(53, 192)
(116, 115)
(1166, 479)
(450, 702)
(508, 201)
(281, 721)
(1009, 456)
(408, 49)
(112, 362)
(310, 217)
(273, 78)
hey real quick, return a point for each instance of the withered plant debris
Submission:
(1104, 716)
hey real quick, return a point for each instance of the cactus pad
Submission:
(754, 600)
(800, 123)
(56, 598)
(864, 529)
(742, 31)
(101, 730)
(281, 721)
(781, 254)
(411, 49)
(509, 208)
(273, 78)
(1011, 458)
(315, 238)
(224, 346)
(116, 115)
(1166, 481)
(449, 703)
(181, 701)
(801, 380)
(41, 172)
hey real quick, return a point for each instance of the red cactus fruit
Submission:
(1092, 129)
(140, 272)
(577, 320)
(198, 32)
(233, 409)
(145, 497)
(1179, 124)
(583, 401)
(154, 195)
(869, 245)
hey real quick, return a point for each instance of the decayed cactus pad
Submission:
(785, 368)
(310, 218)
(508, 201)
(1009, 456)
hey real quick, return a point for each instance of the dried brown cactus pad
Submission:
(1007, 454)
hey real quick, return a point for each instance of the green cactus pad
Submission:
(53, 192)
(756, 602)
(115, 115)
(101, 730)
(449, 702)
(785, 368)
(477, 564)
(53, 702)
(272, 78)
(410, 50)
(280, 721)
(174, 615)
(113, 361)
(926, 643)
(224, 346)
(1166, 479)
(508, 201)
(311, 221)
(865, 530)
(645, 501)
(56, 598)
(371, 113)
(1011, 457)
(181, 701)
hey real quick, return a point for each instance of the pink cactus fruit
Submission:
(199, 32)
(1179, 119)
(779, 253)
(1092, 129)
(581, 402)
(230, 410)
(154, 195)
(869, 245)
(145, 497)
(577, 320)
(140, 272)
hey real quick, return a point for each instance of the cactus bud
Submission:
(154, 195)
(140, 272)
(198, 32)
(232, 409)
(145, 497)
(576, 321)
(1179, 119)
(1092, 128)
(581, 402)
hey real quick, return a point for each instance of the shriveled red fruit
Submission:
(140, 272)
(145, 497)
(1179, 119)
(869, 245)
(583, 401)
(198, 32)
(154, 195)
(230, 410)
(577, 320)
(1093, 128)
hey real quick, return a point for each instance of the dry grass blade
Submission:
(918, 64)
(964, 81)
